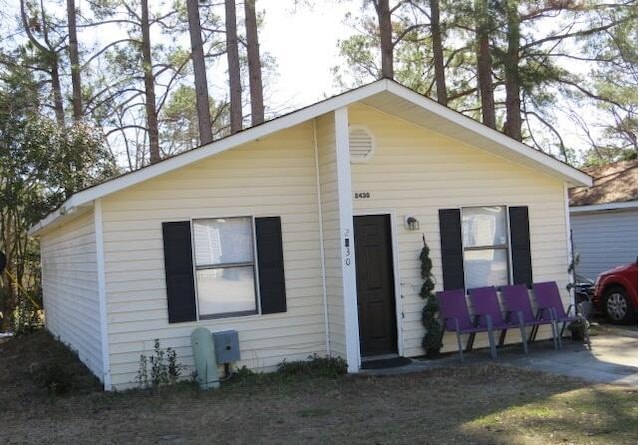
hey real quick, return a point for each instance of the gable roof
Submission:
(385, 95)
(614, 183)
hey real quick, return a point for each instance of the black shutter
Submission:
(520, 245)
(178, 268)
(451, 247)
(271, 265)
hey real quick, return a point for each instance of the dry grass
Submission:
(480, 404)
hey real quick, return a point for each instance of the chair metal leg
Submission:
(470, 341)
(554, 332)
(523, 333)
(492, 344)
(560, 331)
(459, 345)
(503, 334)
(534, 333)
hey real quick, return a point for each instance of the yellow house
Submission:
(302, 234)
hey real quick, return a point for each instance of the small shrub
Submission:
(26, 318)
(244, 376)
(55, 377)
(142, 377)
(160, 369)
(314, 366)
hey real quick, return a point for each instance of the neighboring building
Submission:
(295, 234)
(604, 218)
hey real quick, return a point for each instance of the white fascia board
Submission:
(189, 157)
(575, 176)
(603, 207)
(66, 211)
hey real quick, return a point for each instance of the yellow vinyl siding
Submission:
(325, 131)
(274, 176)
(70, 288)
(416, 172)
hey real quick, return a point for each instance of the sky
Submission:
(303, 42)
(301, 39)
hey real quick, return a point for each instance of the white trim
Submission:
(567, 221)
(509, 247)
(325, 301)
(397, 288)
(303, 115)
(603, 207)
(345, 206)
(102, 296)
(565, 170)
(256, 277)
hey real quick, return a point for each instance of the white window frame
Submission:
(254, 264)
(506, 246)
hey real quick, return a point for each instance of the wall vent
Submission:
(361, 143)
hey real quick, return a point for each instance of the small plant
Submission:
(164, 368)
(314, 366)
(578, 329)
(54, 377)
(432, 340)
(142, 377)
(26, 318)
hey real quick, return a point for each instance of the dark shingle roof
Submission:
(616, 182)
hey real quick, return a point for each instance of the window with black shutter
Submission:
(215, 275)
(485, 246)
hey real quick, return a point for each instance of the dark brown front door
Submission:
(374, 272)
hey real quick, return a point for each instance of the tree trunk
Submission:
(513, 124)
(74, 60)
(57, 90)
(235, 87)
(149, 85)
(438, 57)
(485, 75)
(386, 42)
(51, 58)
(199, 73)
(253, 56)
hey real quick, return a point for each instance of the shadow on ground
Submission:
(483, 403)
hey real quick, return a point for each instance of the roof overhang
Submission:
(385, 95)
(610, 206)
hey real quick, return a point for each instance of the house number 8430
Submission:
(362, 195)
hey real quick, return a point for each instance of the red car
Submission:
(616, 293)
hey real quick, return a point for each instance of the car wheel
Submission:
(616, 305)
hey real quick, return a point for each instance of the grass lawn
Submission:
(461, 404)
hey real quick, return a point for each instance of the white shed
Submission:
(280, 231)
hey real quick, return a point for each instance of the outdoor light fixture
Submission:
(411, 223)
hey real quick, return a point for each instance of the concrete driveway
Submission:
(613, 358)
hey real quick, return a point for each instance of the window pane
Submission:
(229, 289)
(222, 241)
(484, 226)
(486, 268)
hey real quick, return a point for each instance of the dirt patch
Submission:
(474, 404)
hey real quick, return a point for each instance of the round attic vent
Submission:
(361, 143)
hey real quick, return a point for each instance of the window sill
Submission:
(227, 315)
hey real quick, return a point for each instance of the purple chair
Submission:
(485, 302)
(455, 318)
(548, 296)
(516, 301)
